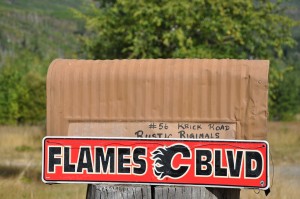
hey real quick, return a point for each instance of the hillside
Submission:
(46, 28)
(32, 34)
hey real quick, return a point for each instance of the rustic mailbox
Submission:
(158, 98)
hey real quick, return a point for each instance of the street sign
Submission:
(210, 163)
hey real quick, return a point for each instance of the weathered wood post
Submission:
(163, 98)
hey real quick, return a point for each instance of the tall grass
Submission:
(284, 140)
(20, 165)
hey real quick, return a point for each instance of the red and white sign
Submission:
(213, 163)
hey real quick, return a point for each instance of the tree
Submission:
(22, 89)
(187, 28)
(240, 29)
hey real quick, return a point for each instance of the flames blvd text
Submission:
(128, 160)
(156, 161)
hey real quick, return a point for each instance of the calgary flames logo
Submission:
(163, 161)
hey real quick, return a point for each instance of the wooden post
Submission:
(177, 192)
(159, 192)
(118, 191)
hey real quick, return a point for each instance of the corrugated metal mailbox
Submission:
(168, 98)
(173, 99)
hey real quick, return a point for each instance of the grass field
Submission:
(284, 139)
(20, 165)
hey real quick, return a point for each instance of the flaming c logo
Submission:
(163, 161)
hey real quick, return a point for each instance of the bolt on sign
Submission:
(159, 98)
(217, 163)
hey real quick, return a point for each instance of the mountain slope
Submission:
(41, 26)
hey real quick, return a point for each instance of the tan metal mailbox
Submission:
(89, 98)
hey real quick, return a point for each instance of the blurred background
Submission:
(34, 32)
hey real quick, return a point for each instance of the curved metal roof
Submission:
(174, 90)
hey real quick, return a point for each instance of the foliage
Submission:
(285, 99)
(286, 92)
(22, 90)
(239, 29)
(32, 34)
(184, 28)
